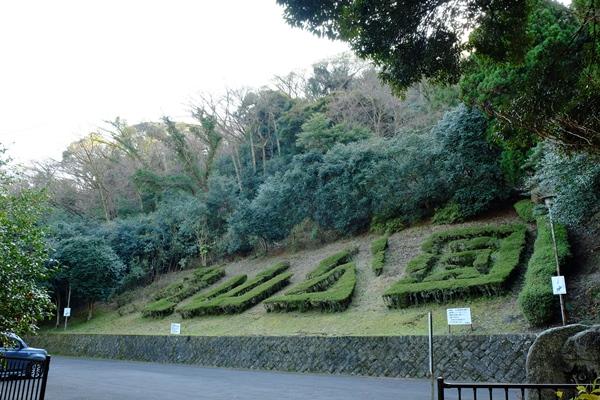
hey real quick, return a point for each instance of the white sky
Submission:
(67, 65)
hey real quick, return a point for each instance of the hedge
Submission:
(248, 294)
(189, 310)
(378, 247)
(333, 261)
(524, 209)
(536, 300)
(428, 279)
(332, 292)
(177, 292)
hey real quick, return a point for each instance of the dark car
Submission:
(18, 359)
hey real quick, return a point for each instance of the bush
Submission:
(189, 310)
(449, 214)
(524, 209)
(307, 234)
(248, 294)
(383, 226)
(333, 261)
(331, 291)
(175, 293)
(536, 299)
(378, 247)
(438, 276)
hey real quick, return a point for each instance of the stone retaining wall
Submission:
(499, 358)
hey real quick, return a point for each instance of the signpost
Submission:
(175, 329)
(558, 285)
(563, 313)
(67, 312)
(459, 316)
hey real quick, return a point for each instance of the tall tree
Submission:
(23, 300)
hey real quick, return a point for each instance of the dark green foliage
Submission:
(386, 226)
(23, 300)
(553, 91)
(189, 310)
(412, 39)
(449, 214)
(441, 273)
(536, 299)
(378, 247)
(169, 297)
(333, 261)
(574, 180)
(331, 291)
(92, 268)
(319, 133)
(248, 294)
(524, 209)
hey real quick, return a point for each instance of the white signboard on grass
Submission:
(558, 285)
(175, 329)
(459, 316)
(67, 312)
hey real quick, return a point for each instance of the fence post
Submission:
(440, 388)
(45, 377)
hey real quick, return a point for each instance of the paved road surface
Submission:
(87, 379)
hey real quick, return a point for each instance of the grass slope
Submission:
(367, 314)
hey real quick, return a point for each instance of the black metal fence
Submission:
(23, 379)
(500, 391)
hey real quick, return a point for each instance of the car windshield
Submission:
(9, 342)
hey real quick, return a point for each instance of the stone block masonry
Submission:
(492, 358)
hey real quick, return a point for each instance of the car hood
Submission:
(35, 350)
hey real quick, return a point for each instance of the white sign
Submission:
(67, 312)
(175, 329)
(558, 285)
(459, 316)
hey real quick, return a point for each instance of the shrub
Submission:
(175, 293)
(436, 275)
(189, 310)
(449, 214)
(331, 291)
(536, 299)
(378, 247)
(246, 295)
(333, 261)
(383, 226)
(524, 209)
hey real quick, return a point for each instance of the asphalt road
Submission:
(87, 379)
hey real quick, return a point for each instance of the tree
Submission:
(554, 91)
(94, 269)
(415, 39)
(23, 300)
(319, 133)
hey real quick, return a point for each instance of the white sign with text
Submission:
(175, 329)
(558, 285)
(459, 316)
(67, 312)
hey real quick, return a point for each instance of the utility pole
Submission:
(548, 202)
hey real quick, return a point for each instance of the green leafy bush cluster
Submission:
(330, 291)
(378, 247)
(441, 273)
(243, 296)
(175, 293)
(333, 261)
(536, 300)
(449, 214)
(387, 226)
(524, 209)
(189, 310)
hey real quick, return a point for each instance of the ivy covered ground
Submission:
(367, 313)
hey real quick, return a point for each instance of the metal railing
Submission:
(22, 379)
(504, 391)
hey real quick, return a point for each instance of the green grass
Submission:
(490, 316)
(524, 209)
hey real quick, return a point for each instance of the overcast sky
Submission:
(68, 65)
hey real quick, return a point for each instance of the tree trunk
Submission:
(90, 310)
(253, 155)
(57, 309)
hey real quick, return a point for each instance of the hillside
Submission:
(367, 314)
